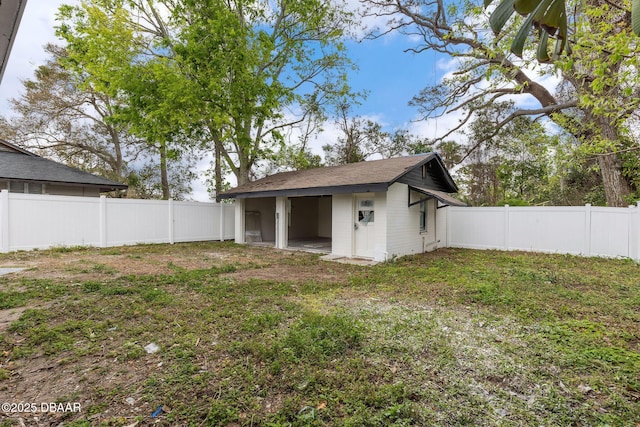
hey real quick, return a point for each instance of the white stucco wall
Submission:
(441, 227)
(396, 230)
(380, 252)
(403, 228)
(281, 221)
(342, 224)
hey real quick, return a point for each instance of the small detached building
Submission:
(373, 210)
(24, 172)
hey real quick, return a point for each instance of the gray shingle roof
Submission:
(374, 175)
(444, 198)
(25, 167)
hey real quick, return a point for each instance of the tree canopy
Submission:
(595, 102)
(228, 76)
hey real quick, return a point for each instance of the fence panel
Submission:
(581, 230)
(229, 222)
(196, 221)
(553, 229)
(43, 221)
(38, 222)
(132, 221)
(478, 228)
(610, 231)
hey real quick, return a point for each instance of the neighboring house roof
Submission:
(21, 165)
(370, 176)
(10, 15)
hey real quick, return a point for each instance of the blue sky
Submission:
(389, 75)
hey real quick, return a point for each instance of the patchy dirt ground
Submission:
(252, 336)
(66, 377)
(90, 264)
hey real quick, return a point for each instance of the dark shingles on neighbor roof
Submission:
(23, 167)
(373, 172)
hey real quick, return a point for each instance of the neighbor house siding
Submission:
(342, 224)
(403, 229)
(71, 190)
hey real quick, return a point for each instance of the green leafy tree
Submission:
(600, 91)
(261, 68)
(119, 46)
(575, 179)
(231, 75)
(59, 117)
(512, 165)
(548, 19)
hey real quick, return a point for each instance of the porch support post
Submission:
(281, 223)
(239, 221)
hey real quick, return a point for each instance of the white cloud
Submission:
(36, 29)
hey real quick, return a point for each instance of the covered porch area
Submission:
(296, 223)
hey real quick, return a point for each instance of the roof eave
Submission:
(11, 16)
(442, 197)
(313, 191)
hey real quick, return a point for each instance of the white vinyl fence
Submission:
(581, 230)
(30, 221)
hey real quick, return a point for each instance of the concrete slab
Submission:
(347, 260)
(5, 270)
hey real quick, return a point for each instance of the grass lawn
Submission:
(251, 336)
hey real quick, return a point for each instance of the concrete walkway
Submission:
(4, 270)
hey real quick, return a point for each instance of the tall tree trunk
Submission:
(164, 180)
(616, 188)
(118, 165)
(243, 171)
(218, 168)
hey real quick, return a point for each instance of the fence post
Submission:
(4, 221)
(587, 229)
(221, 216)
(634, 238)
(171, 225)
(102, 219)
(447, 227)
(506, 228)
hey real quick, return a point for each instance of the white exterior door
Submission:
(364, 226)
